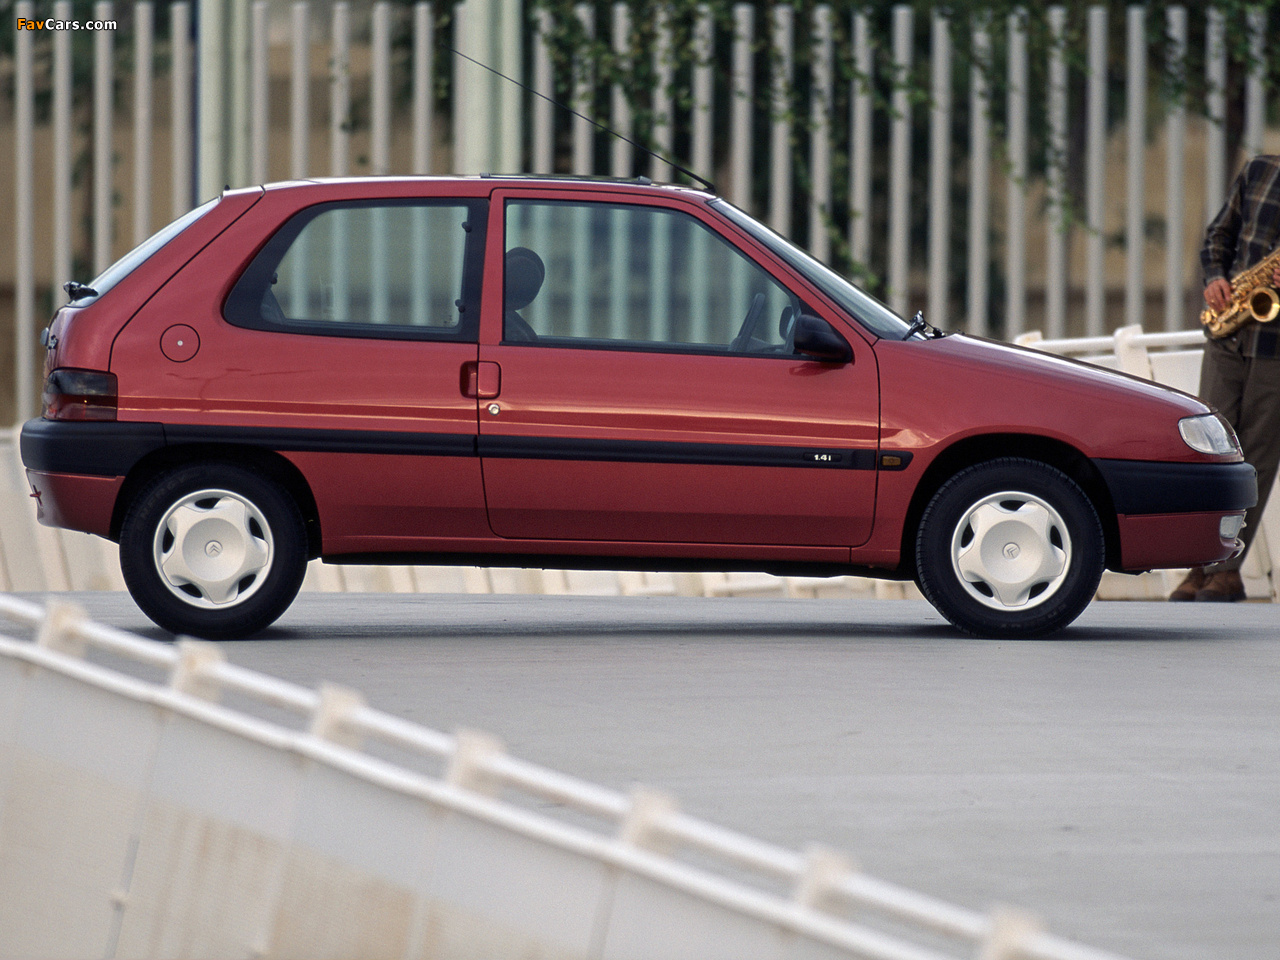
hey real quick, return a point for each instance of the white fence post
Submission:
(180, 134)
(820, 134)
(900, 161)
(1175, 175)
(424, 97)
(142, 131)
(1255, 106)
(339, 88)
(1096, 175)
(781, 79)
(260, 93)
(300, 87)
(24, 215)
(103, 135)
(1055, 178)
(63, 151)
(620, 151)
(860, 142)
(743, 83)
(543, 116)
(380, 90)
(979, 180)
(701, 154)
(1135, 166)
(584, 92)
(940, 171)
(1016, 202)
(1215, 78)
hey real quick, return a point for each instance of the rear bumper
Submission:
(76, 469)
(1170, 514)
(90, 449)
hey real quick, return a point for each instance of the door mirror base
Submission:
(818, 339)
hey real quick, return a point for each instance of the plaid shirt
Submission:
(1248, 226)
(1244, 232)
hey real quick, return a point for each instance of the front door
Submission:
(647, 389)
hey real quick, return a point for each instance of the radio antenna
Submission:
(581, 116)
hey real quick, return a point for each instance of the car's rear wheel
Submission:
(1010, 548)
(213, 550)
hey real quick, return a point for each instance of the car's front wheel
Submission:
(213, 550)
(1010, 548)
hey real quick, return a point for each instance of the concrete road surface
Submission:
(1122, 780)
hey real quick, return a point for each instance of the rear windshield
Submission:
(135, 257)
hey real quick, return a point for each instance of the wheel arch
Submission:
(273, 465)
(980, 449)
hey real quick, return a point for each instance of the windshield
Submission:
(135, 257)
(863, 307)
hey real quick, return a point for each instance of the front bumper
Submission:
(1170, 514)
(1143, 487)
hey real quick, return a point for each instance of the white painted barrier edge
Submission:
(645, 823)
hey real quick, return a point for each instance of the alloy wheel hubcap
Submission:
(1011, 550)
(213, 548)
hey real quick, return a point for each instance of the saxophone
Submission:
(1253, 297)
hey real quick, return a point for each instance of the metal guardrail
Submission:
(643, 834)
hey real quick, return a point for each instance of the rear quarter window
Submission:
(399, 269)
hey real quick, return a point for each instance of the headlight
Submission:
(1209, 433)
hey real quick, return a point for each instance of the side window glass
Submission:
(638, 277)
(361, 269)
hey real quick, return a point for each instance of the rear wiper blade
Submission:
(75, 289)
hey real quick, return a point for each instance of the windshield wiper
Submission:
(75, 289)
(918, 324)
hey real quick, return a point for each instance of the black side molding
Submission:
(1143, 487)
(111, 449)
(644, 451)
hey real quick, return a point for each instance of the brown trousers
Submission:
(1246, 390)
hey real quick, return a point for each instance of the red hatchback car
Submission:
(574, 373)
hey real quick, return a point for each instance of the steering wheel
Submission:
(743, 338)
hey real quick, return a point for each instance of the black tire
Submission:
(214, 550)
(1011, 548)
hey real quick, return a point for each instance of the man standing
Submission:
(1240, 374)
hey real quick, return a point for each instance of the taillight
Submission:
(80, 395)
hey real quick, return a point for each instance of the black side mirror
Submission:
(818, 339)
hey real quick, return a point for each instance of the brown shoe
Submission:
(1186, 591)
(1223, 587)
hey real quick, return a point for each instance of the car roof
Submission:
(475, 185)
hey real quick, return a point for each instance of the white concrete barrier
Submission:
(157, 801)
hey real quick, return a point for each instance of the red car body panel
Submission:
(638, 397)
